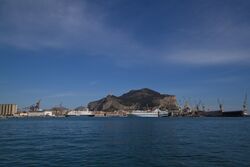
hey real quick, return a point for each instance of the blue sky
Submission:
(73, 52)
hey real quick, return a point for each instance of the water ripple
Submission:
(125, 142)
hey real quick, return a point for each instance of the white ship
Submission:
(80, 113)
(155, 113)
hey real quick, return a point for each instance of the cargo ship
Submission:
(222, 113)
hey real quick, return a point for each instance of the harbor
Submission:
(170, 110)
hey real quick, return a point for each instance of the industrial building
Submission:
(8, 109)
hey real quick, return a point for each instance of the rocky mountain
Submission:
(141, 99)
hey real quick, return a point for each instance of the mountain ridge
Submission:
(141, 99)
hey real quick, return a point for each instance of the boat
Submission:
(222, 113)
(80, 113)
(154, 113)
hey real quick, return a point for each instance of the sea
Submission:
(125, 142)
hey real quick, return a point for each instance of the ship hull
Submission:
(233, 114)
(144, 115)
(150, 114)
(239, 113)
(80, 115)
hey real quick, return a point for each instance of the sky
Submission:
(73, 52)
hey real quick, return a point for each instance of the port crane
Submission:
(34, 107)
(197, 107)
(220, 105)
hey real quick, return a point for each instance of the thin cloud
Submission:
(61, 25)
(64, 25)
(224, 80)
(207, 57)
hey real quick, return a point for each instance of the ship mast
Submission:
(220, 105)
(245, 105)
(198, 106)
(203, 108)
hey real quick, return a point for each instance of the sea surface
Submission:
(111, 142)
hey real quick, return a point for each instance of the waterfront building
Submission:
(8, 109)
